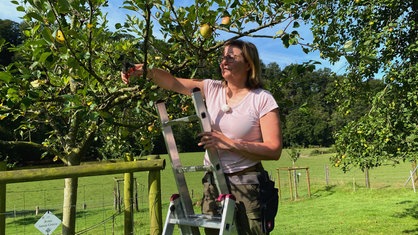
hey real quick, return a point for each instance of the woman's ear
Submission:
(248, 66)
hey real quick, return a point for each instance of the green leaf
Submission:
(47, 35)
(348, 46)
(63, 6)
(350, 59)
(6, 77)
(234, 4)
(13, 94)
(44, 56)
(33, 15)
(20, 8)
(285, 40)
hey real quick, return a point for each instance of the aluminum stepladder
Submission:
(180, 210)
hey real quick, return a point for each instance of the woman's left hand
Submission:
(215, 139)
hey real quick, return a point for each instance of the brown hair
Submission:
(250, 53)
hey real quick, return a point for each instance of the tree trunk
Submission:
(69, 207)
(70, 197)
(367, 177)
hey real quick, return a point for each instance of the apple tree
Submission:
(64, 95)
(375, 38)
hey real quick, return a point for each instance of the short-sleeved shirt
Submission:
(241, 122)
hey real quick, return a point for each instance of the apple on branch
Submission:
(226, 20)
(206, 30)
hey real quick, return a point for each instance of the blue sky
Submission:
(270, 50)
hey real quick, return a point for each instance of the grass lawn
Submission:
(334, 210)
(339, 202)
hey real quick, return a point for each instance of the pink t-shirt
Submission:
(242, 122)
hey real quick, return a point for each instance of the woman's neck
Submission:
(235, 87)
(235, 94)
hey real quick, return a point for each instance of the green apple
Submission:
(206, 30)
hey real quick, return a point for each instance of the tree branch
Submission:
(28, 144)
(72, 51)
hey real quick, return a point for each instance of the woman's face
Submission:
(233, 64)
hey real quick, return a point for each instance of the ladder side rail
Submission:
(169, 227)
(227, 226)
(175, 160)
(206, 126)
(176, 212)
(181, 207)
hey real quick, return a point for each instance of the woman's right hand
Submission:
(136, 70)
(162, 79)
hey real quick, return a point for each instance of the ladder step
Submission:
(185, 169)
(199, 220)
(173, 122)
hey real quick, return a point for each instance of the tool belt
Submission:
(246, 176)
(269, 194)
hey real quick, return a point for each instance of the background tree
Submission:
(375, 37)
(10, 35)
(305, 113)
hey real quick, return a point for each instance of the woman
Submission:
(246, 126)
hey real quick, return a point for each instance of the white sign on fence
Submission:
(48, 223)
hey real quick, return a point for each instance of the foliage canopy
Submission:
(375, 37)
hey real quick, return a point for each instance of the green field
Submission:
(339, 203)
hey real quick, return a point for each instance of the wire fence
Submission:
(302, 182)
(98, 211)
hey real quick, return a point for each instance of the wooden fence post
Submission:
(290, 184)
(278, 183)
(128, 196)
(154, 200)
(308, 180)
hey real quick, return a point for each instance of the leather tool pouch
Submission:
(269, 201)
